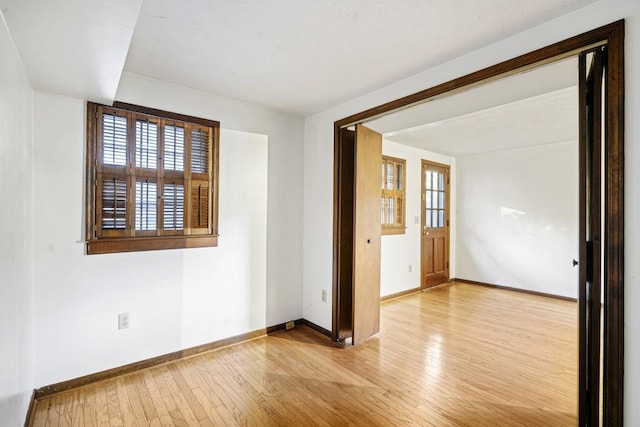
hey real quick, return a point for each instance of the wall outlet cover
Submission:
(123, 320)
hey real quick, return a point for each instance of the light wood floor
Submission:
(463, 355)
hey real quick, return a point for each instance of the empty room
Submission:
(192, 229)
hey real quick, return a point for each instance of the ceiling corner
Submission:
(76, 48)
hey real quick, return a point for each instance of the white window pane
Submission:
(199, 151)
(145, 205)
(174, 148)
(146, 144)
(173, 212)
(114, 140)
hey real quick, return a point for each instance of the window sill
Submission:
(106, 246)
(394, 230)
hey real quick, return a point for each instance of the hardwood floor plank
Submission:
(187, 394)
(116, 415)
(461, 355)
(178, 408)
(102, 406)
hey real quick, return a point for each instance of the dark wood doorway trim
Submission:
(613, 36)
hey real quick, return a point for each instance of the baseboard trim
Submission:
(399, 294)
(279, 327)
(28, 422)
(509, 288)
(436, 287)
(147, 363)
(315, 327)
(159, 360)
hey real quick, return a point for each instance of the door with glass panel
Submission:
(435, 224)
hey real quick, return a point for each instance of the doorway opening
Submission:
(612, 266)
(434, 243)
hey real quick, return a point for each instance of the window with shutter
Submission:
(199, 205)
(392, 196)
(151, 179)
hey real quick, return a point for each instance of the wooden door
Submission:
(591, 78)
(435, 224)
(366, 234)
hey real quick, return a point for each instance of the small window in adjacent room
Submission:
(152, 179)
(392, 202)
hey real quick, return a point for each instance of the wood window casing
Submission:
(151, 180)
(392, 200)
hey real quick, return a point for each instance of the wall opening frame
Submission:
(611, 35)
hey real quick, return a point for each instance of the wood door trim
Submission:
(447, 202)
(613, 385)
(553, 52)
(612, 35)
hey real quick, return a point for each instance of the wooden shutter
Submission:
(112, 207)
(174, 146)
(113, 144)
(112, 184)
(200, 204)
(146, 146)
(200, 221)
(200, 159)
(150, 174)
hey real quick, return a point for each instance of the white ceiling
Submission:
(541, 120)
(534, 108)
(73, 47)
(297, 56)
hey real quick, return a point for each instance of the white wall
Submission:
(284, 181)
(318, 161)
(399, 251)
(176, 298)
(518, 218)
(16, 267)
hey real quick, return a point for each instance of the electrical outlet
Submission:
(290, 325)
(123, 320)
(324, 295)
(410, 268)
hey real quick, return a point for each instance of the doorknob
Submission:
(574, 262)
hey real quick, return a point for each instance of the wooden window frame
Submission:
(398, 227)
(101, 241)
